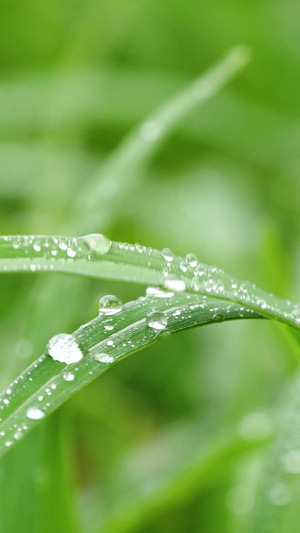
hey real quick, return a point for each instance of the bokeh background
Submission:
(178, 437)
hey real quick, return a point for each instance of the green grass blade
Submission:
(97, 256)
(47, 384)
(98, 202)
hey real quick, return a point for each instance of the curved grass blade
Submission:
(46, 384)
(95, 255)
(97, 203)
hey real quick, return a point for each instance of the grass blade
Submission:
(47, 384)
(97, 256)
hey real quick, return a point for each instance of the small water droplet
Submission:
(167, 255)
(104, 358)
(71, 252)
(68, 376)
(64, 348)
(18, 434)
(157, 320)
(110, 305)
(35, 413)
(97, 243)
(191, 260)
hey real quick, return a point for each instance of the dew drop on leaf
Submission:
(167, 255)
(68, 376)
(104, 358)
(110, 305)
(174, 284)
(154, 292)
(64, 348)
(191, 260)
(35, 413)
(96, 242)
(157, 320)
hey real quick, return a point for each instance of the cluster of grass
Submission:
(102, 131)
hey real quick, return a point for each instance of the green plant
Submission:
(182, 293)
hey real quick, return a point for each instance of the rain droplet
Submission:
(110, 305)
(34, 413)
(167, 255)
(97, 243)
(64, 348)
(104, 358)
(174, 284)
(154, 292)
(68, 376)
(157, 320)
(191, 260)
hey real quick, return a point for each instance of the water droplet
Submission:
(64, 348)
(97, 243)
(154, 292)
(167, 255)
(34, 413)
(110, 305)
(296, 315)
(68, 376)
(291, 462)
(71, 252)
(157, 320)
(104, 358)
(191, 260)
(8, 443)
(174, 284)
(37, 246)
(18, 434)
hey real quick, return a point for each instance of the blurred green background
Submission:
(178, 437)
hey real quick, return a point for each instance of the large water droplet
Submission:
(34, 413)
(157, 320)
(64, 348)
(110, 305)
(97, 243)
